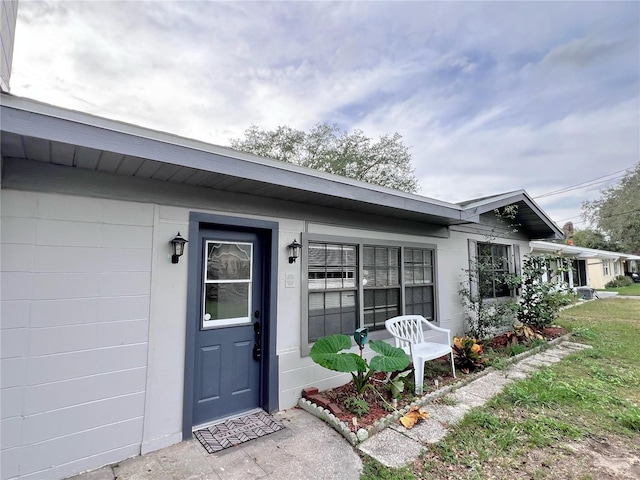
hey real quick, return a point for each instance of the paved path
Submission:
(396, 446)
(307, 448)
(310, 449)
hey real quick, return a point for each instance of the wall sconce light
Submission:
(177, 245)
(294, 250)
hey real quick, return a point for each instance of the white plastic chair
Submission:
(408, 331)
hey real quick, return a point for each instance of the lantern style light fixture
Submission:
(177, 245)
(294, 250)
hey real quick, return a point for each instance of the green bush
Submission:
(620, 281)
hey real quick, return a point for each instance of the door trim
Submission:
(268, 231)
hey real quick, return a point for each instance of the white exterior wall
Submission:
(8, 17)
(75, 316)
(93, 344)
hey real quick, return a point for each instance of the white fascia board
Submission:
(579, 252)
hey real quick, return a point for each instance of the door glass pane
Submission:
(226, 300)
(228, 261)
(227, 283)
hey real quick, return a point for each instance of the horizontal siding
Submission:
(68, 421)
(75, 331)
(65, 366)
(50, 453)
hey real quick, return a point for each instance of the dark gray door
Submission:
(229, 338)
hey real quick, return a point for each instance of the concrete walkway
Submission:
(307, 448)
(310, 449)
(396, 446)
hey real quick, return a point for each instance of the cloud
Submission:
(491, 96)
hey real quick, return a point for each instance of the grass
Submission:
(592, 394)
(630, 290)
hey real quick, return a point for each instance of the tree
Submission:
(617, 212)
(325, 147)
(589, 238)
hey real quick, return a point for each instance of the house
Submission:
(110, 350)
(589, 267)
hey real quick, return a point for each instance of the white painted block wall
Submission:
(93, 343)
(76, 276)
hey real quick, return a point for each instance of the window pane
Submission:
(428, 275)
(408, 274)
(316, 254)
(349, 280)
(368, 257)
(317, 279)
(349, 255)
(417, 256)
(228, 261)
(334, 255)
(331, 308)
(226, 300)
(316, 303)
(348, 300)
(394, 257)
(381, 257)
(381, 277)
(408, 255)
(418, 274)
(394, 274)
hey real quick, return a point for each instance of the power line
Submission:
(637, 210)
(587, 182)
(578, 187)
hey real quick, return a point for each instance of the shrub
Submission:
(620, 281)
(541, 299)
(468, 354)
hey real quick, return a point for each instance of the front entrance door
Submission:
(228, 343)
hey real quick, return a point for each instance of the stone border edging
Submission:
(362, 434)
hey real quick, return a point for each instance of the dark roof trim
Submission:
(488, 204)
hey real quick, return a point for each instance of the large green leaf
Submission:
(390, 359)
(325, 353)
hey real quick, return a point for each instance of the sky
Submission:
(490, 97)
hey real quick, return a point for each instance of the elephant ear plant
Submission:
(326, 352)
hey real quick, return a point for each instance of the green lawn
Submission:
(553, 424)
(630, 290)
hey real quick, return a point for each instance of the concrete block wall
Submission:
(76, 276)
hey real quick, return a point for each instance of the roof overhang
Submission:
(529, 215)
(36, 131)
(581, 253)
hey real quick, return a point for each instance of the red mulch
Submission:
(378, 409)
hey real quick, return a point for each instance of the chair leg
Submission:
(453, 368)
(418, 366)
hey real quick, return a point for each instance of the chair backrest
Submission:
(407, 329)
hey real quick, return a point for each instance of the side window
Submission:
(332, 289)
(493, 265)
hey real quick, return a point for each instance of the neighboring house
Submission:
(110, 350)
(589, 267)
(8, 17)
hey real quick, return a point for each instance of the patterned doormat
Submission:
(236, 431)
